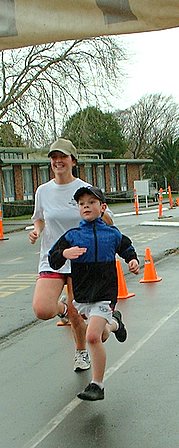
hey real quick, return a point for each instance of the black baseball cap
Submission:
(95, 191)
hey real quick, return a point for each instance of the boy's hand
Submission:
(74, 252)
(134, 266)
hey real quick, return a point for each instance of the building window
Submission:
(101, 177)
(112, 178)
(123, 178)
(2, 154)
(44, 174)
(89, 174)
(8, 184)
(27, 183)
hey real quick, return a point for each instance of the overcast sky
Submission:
(153, 66)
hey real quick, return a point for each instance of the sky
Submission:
(153, 66)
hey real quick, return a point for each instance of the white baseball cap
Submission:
(65, 146)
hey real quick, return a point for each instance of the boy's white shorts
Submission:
(101, 309)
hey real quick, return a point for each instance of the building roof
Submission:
(39, 157)
(40, 161)
(120, 161)
(46, 161)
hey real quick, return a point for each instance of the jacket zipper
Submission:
(95, 242)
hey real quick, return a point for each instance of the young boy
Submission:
(92, 248)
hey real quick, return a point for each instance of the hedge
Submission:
(18, 208)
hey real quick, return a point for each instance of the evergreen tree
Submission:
(8, 138)
(92, 129)
(165, 164)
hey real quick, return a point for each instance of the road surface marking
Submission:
(160, 223)
(55, 421)
(12, 261)
(12, 284)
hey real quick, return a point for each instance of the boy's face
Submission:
(90, 207)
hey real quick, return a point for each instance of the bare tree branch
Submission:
(48, 82)
(148, 122)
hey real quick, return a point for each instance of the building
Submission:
(22, 170)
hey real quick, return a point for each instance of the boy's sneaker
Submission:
(121, 333)
(92, 393)
(82, 361)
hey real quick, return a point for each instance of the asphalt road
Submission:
(39, 407)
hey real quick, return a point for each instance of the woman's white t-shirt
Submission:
(55, 205)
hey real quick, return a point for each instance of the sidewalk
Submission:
(10, 225)
(170, 216)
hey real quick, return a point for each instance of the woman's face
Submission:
(61, 163)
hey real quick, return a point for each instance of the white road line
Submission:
(5, 294)
(140, 343)
(29, 227)
(12, 261)
(159, 223)
(140, 213)
(54, 422)
(16, 282)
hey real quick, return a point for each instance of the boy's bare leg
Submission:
(117, 327)
(98, 354)
(95, 390)
(97, 332)
(109, 328)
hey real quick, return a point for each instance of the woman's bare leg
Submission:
(78, 325)
(46, 304)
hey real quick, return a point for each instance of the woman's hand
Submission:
(38, 228)
(33, 236)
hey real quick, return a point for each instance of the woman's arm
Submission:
(107, 218)
(38, 228)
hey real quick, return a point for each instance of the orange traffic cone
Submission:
(61, 323)
(170, 197)
(1, 228)
(122, 288)
(150, 274)
(136, 202)
(160, 206)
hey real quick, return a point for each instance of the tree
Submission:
(93, 129)
(165, 164)
(148, 122)
(8, 138)
(42, 84)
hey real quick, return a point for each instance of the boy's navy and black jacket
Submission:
(94, 274)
